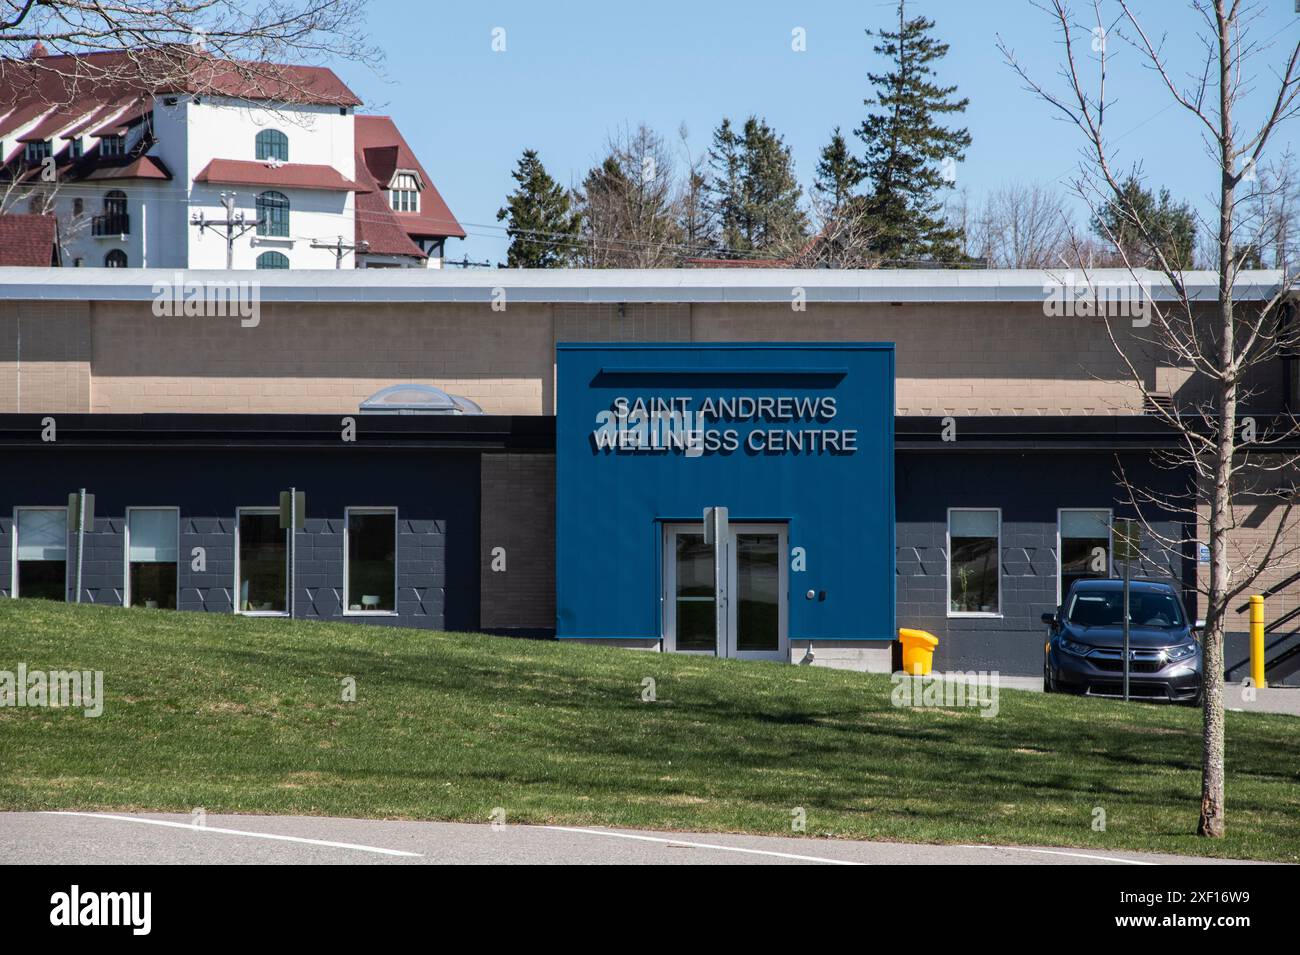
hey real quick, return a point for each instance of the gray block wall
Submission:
(518, 504)
(1029, 489)
(436, 496)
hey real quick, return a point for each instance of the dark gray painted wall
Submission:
(1029, 488)
(436, 493)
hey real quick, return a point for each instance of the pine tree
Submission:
(843, 237)
(906, 148)
(542, 225)
(839, 173)
(1170, 227)
(755, 196)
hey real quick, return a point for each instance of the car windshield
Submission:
(1105, 608)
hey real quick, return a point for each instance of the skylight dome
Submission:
(416, 398)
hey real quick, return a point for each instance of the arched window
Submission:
(272, 214)
(272, 260)
(116, 259)
(115, 203)
(272, 144)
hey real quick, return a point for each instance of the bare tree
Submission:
(1220, 344)
(695, 219)
(1273, 213)
(1028, 225)
(842, 238)
(630, 204)
(197, 46)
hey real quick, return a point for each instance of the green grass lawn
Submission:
(245, 715)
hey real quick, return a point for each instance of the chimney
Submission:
(37, 51)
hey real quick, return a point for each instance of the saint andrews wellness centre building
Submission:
(768, 464)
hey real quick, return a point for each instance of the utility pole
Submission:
(465, 263)
(233, 220)
(340, 249)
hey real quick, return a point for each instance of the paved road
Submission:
(1273, 699)
(158, 838)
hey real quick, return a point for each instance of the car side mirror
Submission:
(1199, 625)
(1049, 619)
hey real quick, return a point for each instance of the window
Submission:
(272, 260)
(1083, 549)
(78, 206)
(1146, 608)
(111, 146)
(152, 546)
(114, 203)
(272, 214)
(41, 553)
(974, 568)
(272, 144)
(370, 560)
(116, 259)
(404, 196)
(75, 147)
(261, 562)
(37, 151)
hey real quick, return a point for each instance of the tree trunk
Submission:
(1213, 817)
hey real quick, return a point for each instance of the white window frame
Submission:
(288, 570)
(947, 591)
(126, 549)
(1110, 541)
(404, 183)
(347, 530)
(13, 547)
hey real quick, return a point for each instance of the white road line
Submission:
(1060, 852)
(703, 845)
(237, 832)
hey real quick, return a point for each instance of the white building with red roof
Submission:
(141, 177)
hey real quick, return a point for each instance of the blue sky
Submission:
(574, 72)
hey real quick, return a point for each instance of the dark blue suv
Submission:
(1085, 646)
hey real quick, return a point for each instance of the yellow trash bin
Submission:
(918, 650)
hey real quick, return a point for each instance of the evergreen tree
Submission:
(754, 194)
(839, 173)
(906, 147)
(1168, 228)
(541, 222)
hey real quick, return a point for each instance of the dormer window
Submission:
(112, 146)
(271, 144)
(75, 147)
(37, 151)
(404, 194)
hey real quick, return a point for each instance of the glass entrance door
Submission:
(692, 596)
(751, 592)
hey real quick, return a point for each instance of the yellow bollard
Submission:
(1257, 640)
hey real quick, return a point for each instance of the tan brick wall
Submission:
(45, 355)
(1257, 518)
(518, 513)
(320, 358)
(951, 359)
(960, 359)
(637, 323)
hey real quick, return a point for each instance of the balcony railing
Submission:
(111, 223)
